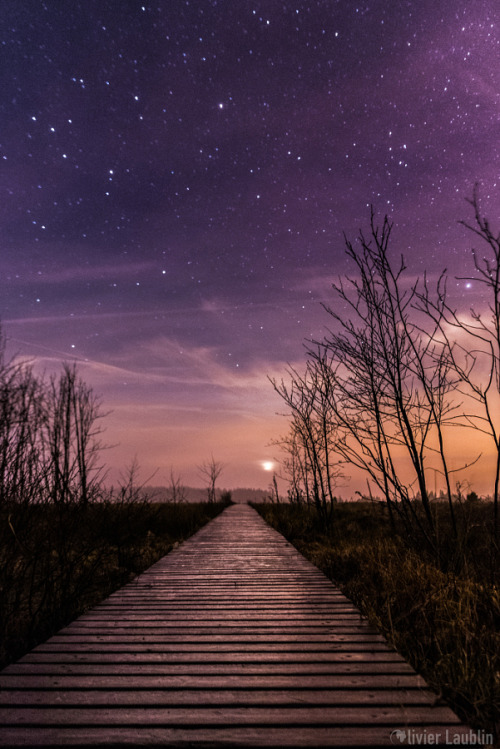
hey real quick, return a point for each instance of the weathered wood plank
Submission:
(226, 634)
(353, 642)
(290, 682)
(229, 640)
(189, 627)
(387, 715)
(273, 668)
(227, 697)
(240, 657)
(232, 736)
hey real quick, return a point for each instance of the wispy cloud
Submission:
(88, 272)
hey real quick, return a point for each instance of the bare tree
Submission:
(48, 455)
(274, 495)
(311, 443)
(391, 376)
(22, 416)
(131, 489)
(176, 490)
(210, 471)
(380, 388)
(294, 466)
(49, 445)
(71, 439)
(474, 355)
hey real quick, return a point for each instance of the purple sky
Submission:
(176, 178)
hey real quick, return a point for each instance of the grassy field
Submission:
(444, 620)
(58, 561)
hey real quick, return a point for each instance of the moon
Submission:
(267, 465)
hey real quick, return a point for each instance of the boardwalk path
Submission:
(233, 639)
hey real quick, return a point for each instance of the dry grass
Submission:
(445, 620)
(58, 561)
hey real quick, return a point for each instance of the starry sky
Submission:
(176, 178)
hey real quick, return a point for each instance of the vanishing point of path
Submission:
(232, 639)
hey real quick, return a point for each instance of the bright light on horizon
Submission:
(267, 465)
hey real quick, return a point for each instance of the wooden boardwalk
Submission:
(233, 639)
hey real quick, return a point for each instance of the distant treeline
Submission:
(194, 494)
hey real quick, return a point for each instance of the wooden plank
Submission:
(349, 642)
(272, 657)
(332, 682)
(232, 639)
(214, 619)
(189, 628)
(225, 696)
(230, 634)
(116, 638)
(299, 669)
(232, 736)
(283, 625)
(387, 715)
